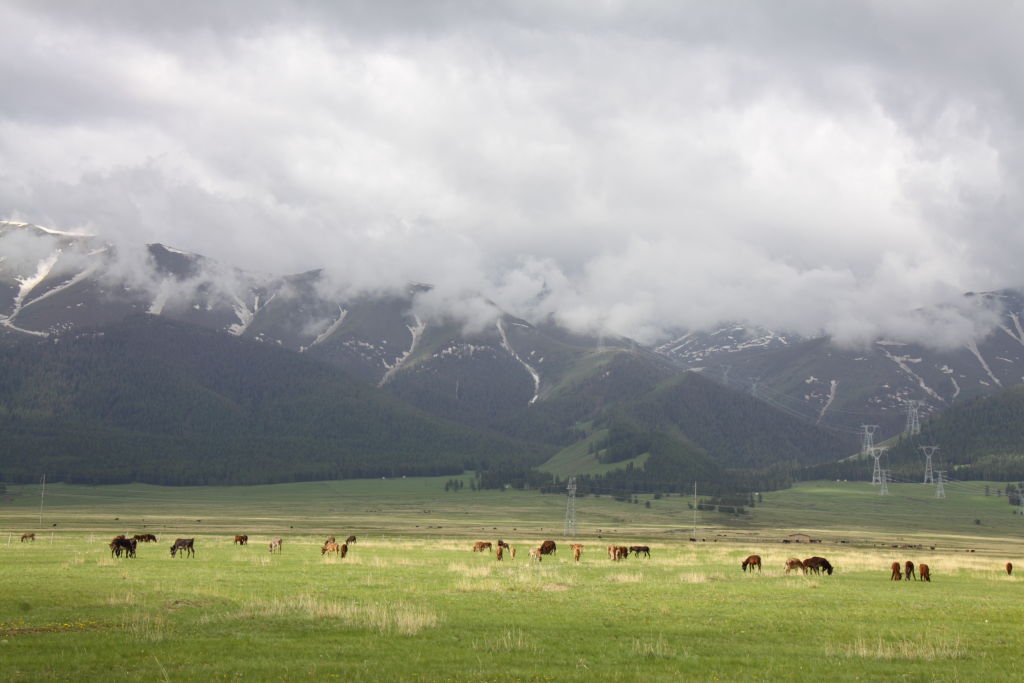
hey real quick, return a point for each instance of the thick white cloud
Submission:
(622, 167)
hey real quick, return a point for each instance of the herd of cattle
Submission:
(128, 546)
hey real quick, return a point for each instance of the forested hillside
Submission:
(162, 402)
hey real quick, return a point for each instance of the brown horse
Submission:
(793, 563)
(242, 540)
(577, 550)
(330, 548)
(896, 574)
(924, 572)
(499, 552)
(481, 546)
(752, 561)
(817, 564)
(1009, 568)
(275, 544)
(548, 548)
(28, 537)
(908, 570)
(350, 539)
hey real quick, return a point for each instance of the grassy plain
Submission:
(411, 602)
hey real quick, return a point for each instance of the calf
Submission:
(330, 548)
(535, 554)
(924, 572)
(794, 563)
(896, 575)
(577, 550)
(275, 544)
(498, 552)
(512, 551)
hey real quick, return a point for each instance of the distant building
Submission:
(799, 538)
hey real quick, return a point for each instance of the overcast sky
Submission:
(626, 166)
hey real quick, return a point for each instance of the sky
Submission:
(636, 168)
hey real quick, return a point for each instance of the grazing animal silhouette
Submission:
(794, 563)
(481, 546)
(28, 537)
(350, 539)
(1009, 568)
(637, 549)
(330, 548)
(817, 564)
(751, 562)
(577, 550)
(275, 544)
(896, 575)
(908, 570)
(535, 554)
(498, 553)
(548, 548)
(924, 572)
(242, 540)
(185, 545)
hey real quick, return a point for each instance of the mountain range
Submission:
(508, 390)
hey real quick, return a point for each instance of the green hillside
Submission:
(162, 402)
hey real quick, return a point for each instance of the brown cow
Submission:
(908, 570)
(275, 544)
(512, 551)
(344, 550)
(751, 562)
(28, 537)
(794, 563)
(242, 540)
(577, 550)
(548, 548)
(924, 572)
(896, 574)
(1009, 568)
(481, 546)
(618, 552)
(535, 554)
(330, 548)
(498, 553)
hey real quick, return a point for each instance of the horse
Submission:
(275, 544)
(908, 570)
(752, 561)
(637, 549)
(535, 554)
(577, 550)
(145, 538)
(242, 540)
(481, 546)
(924, 572)
(816, 564)
(330, 548)
(185, 545)
(498, 552)
(548, 548)
(896, 575)
(350, 539)
(794, 563)
(28, 537)
(1009, 568)
(343, 550)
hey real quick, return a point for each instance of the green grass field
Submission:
(412, 602)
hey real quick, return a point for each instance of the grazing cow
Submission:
(275, 544)
(535, 554)
(498, 552)
(548, 548)
(512, 551)
(145, 538)
(481, 546)
(896, 575)
(817, 564)
(242, 540)
(185, 545)
(577, 550)
(908, 570)
(794, 563)
(924, 572)
(637, 549)
(344, 550)
(1009, 568)
(751, 562)
(618, 552)
(350, 539)
(330, 548)
(28, 537)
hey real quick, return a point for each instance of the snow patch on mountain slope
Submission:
(529, 368)
(331, 329)
(25, 287)
(833, 385)
(902, 363)
(246, 314)
(417, 332)
(972, 346)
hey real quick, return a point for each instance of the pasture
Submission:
(411, 601)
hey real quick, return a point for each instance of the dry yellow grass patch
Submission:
(470, 570)
(510, 640)
(626, 577)
(652, 648)
(902, 648)
(387, 618)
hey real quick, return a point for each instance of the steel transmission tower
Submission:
(876, 473)
(884, 489)
(913, 418)
(929, 451)
(940, 492)
(867, 433)
(570, 509)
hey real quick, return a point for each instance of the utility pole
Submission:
(884, 489)
(913, 419)
(42, 497)
(570, 509)
(929, 451)
(940, 492)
